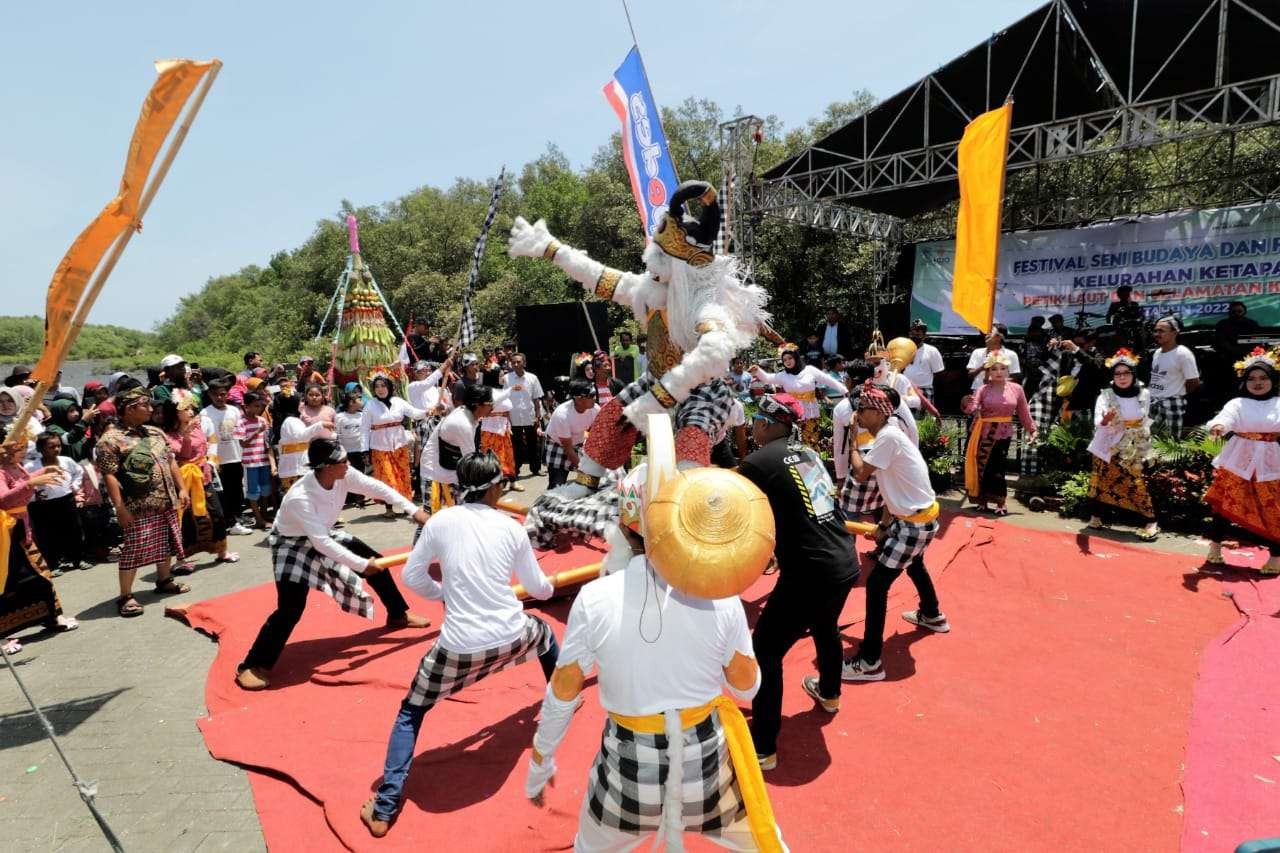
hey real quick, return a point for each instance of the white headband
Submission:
(466, 491)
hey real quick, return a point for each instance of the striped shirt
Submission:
(253, 432)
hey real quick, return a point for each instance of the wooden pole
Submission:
(104, 271)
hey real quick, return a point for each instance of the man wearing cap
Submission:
(470, 363)
(994, 345)
(903, 481)
(485, 627)
(676, 754)
(308, 554)
(19, 375)
(817, 566)
(307, 373)
(927, 366)
(453, 439)
(176, 385)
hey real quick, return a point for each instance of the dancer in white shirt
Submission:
(801, 381)
(676, 755)
(1246, 477)
(295, 438)
(1121, 446)
(382, 428)
(453, 439)
(485, 627)
(308, 554)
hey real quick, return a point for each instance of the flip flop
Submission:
(67, 624)
(12, 647)
(183, 569)
(229, 557)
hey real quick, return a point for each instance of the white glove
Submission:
(538, 776)
(528, 241)
(638, 410)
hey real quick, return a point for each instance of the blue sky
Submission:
(321, 101)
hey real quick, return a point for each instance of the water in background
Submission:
(76, 373)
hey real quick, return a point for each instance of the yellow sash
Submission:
(806, 396)
(193, 481)
(295, 447)
(971, 452)
(7, 522)
(865, 438)
(742, 751)
(1133, 423)
(441, 496)
(924, 516)
(387, 425)
(1259, 436)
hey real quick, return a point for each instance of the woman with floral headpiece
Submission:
(1121, 447)
(1246, 479)
(801, 381)
(382, 428)
(993, 406)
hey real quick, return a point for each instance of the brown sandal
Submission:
(169, 586)
(127, 606)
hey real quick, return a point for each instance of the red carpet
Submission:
(1054, 716)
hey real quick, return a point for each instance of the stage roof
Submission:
(1072, 63)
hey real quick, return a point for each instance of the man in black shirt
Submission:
(470, 376)
(817, 566)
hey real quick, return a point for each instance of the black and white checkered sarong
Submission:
(555, 457)
(904, 541)
(296, 560)
(625, 789)
(707, 407)
(554, 513)
(860, 498)
(1044, 405)
(443, 673)
(1167, 414)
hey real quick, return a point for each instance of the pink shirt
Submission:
(991, 404)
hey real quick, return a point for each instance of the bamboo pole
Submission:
(104, 271)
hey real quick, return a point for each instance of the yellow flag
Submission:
(174, 85)
(983, 151)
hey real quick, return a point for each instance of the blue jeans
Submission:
(404, 739)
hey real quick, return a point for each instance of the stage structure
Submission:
(1106, 94)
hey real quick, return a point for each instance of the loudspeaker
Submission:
(550, 335)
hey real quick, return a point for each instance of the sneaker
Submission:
(238, 529)
(933, 623)
(768, 762)
(810, 685)
(856, 669)
(252, 678)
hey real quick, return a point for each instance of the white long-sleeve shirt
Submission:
(803, 386)
(458, 429)
(294, 431)
(73, 477)
(418, 397)
(310, 510)
(380, 424)
(1244, 457)
(1106, 438)
(478, 549)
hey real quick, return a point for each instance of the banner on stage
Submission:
(1193, 264)
(644, 145)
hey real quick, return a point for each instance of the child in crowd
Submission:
(226, 452)
(252, 433)
(54, 520)
(315, 408)
(350, 436)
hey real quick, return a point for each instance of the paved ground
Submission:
(123, 696)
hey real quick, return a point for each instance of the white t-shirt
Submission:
(73, 477)
(979, 357)
(478, 549)
(498, 423)
(737, 414)
(901, 472)
(459, 429)
(522, 401)
(224, 423)
(568, 422)
(674, 657)
(349, 434)
(1170, 372)
(844, 431)
(927, 362)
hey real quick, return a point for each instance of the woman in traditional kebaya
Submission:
(993, 406)
(1121, 446)
(802, 381)
(1246, 479)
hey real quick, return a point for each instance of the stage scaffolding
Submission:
(1188, 90)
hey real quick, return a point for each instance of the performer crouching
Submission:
(1246, 474)
(485, 627)
(676, 754)
(903, 479)
(308, 554)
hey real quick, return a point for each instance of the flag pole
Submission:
(627, 12)
(86, 304)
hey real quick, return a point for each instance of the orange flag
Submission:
(164, 103)
(983, 151)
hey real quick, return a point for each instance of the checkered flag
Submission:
(467, 331)
(724, 236)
